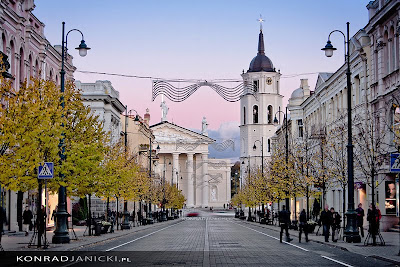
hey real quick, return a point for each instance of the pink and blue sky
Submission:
(199, 40)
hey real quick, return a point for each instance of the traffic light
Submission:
(4, 66)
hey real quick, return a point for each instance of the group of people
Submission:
(330, 220)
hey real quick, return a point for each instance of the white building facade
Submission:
(259, 104)
(104, 102)
(184, 161)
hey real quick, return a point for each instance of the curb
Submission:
(313, 240)
(115, 237)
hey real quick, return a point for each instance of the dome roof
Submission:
(261, 62)
(298, 93)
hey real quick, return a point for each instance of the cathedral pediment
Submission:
(167, 132)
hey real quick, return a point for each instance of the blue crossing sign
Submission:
(46, 171)
(395, 162)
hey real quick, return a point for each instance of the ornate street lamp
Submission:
(276, 122)
(351, 233)
(61, 232)
(262, 163)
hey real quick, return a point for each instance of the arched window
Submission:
(11, 59)
(244, 115)
(270, 114)
(3, 38)
(386, 52)
(37, 70)
(255, 114)
(269, 145)
(392, 49)
(51, 75)
(30, 67)
(21, 66)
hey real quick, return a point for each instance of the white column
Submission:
(190, 192)
(228, 185)
(205, 180)
(175, 168)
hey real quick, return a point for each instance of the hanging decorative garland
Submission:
(177, 94)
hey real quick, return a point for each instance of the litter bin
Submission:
(97, 228)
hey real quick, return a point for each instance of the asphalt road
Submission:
(218, 239)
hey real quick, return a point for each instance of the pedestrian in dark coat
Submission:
(27, 219)
(326, 220)
(360, 219)
(336, 219)
(284, 221)
(303, 225)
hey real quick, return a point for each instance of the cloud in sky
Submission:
(227, 140)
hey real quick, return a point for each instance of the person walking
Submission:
(27, 219)
(373, 219)
(303, 225)
(326, 220)
(284, 221)
(336, 219)
(360, 219)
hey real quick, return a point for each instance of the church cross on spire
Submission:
(261, 20)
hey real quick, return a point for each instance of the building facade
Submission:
(319, 118)
(30, 54)
(259, 104)
(104, 102)
(184, 162)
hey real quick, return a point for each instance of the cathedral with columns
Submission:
(184, 162)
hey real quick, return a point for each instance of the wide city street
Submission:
(218, 239)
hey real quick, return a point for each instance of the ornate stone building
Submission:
(30, 54)
(184, 162)
(258, 107)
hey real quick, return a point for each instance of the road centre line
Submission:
(273, 237)
(342, 263)
(126, 243)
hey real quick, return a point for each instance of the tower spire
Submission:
(261, 38)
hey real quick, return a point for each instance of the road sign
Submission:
(46, 171)
(395, 162)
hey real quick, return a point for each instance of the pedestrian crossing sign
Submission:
(395, 162)
(46, 170)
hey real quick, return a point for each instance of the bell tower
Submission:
(257, 111)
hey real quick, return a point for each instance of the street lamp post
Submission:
(351, 233)
(61, 232)
(262, 163)
(285, 118)
(125, 223)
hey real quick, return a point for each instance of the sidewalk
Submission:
(19, 242)
(389, 251)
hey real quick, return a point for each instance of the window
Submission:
(244, 115)
(255, 85)
(269, 145)
(255, 114)
(300, 127)
(392, 49)
(270, 112)
(386, 52)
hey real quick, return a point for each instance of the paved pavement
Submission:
(218, 239)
